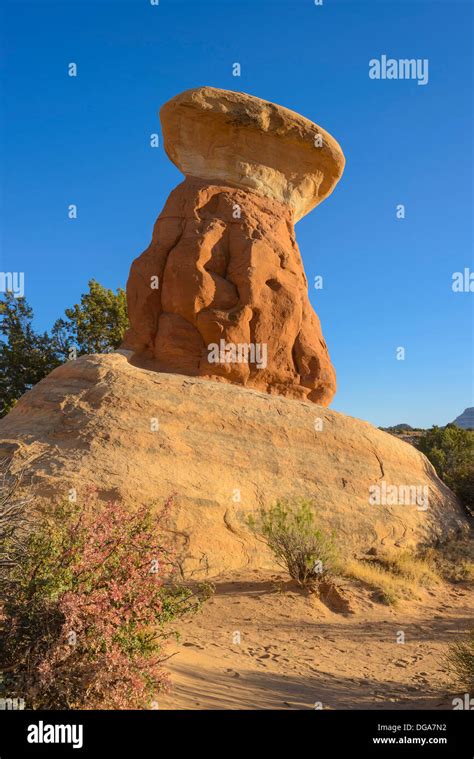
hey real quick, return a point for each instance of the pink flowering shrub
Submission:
(87, 611)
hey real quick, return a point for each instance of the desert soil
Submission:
(294, 651)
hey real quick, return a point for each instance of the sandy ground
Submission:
(260, 643)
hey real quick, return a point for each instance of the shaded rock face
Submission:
(230, 275)
(221, 292)
(223, 450)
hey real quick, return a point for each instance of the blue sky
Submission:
(387, 282)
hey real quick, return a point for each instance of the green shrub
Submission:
(451, 451)
(87, 610)
(289, 529)
(463, 486)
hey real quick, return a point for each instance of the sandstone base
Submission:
(222, 449)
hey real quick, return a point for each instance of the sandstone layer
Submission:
(221, 290)
(239, 281)
(140, 436)
(257, 145)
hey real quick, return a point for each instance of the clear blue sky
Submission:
(387, 282)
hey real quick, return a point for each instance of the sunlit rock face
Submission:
(91, 422)
(221, 291)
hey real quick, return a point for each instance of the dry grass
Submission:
(421, 571)
(390, 587)
(460, 660)
(454, 561)
(394, 576)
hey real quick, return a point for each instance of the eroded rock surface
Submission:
(252, 143)
(237, 280)
(223, 450)
(221, 291)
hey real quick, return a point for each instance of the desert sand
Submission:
(294, 652)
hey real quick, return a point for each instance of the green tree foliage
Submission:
(25, 356)
(96, 325)
(451, 451)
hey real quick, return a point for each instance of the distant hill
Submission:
(466, 419)
(405, 432)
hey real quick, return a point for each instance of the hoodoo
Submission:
(223, 265)
(221, 331)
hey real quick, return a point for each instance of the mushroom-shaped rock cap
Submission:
(231, 137)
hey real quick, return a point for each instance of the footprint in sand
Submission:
(233, 673)
(188, 644)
